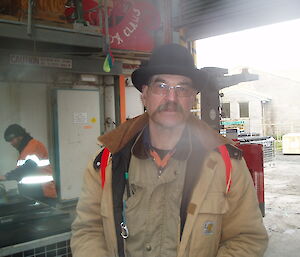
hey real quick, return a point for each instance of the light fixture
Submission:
(88, 78)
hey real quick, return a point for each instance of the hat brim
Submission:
(141, 76)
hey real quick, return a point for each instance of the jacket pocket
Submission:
(135, 198)
(206, 232)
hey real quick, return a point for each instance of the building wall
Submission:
(283, 111)
(24, 104)
(134, 106)
(253, 124)
(30, 105)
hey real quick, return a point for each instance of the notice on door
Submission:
(80, 117)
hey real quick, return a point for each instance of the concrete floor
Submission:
(282, 202)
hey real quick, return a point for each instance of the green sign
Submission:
(236, 122)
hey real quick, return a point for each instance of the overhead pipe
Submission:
(29, 17)
(107, 40)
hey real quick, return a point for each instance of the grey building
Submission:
(268, 106)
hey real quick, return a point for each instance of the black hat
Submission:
(169, 59)
(13, 131)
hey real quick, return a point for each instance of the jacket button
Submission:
(148, 247)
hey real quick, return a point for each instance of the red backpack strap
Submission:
(104, 160)
(226, 157)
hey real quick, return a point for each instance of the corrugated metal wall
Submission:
(204, 18)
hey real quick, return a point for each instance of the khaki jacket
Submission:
(217, 224)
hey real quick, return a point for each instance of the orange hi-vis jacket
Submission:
(38, 150)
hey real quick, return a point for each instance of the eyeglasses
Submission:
(161, 88)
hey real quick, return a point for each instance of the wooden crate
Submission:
(46, 10)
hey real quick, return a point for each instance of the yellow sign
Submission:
(93, 120)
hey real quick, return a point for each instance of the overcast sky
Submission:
(273, 48)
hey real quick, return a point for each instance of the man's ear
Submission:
(144, 88)
(194, 100)
(144, 93)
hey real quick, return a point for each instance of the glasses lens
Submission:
(159, 88)
(183, 90)
(162, 89)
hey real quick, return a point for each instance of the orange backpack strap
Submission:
(103, 164)
(226, 157)
(100, 164)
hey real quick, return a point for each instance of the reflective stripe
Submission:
(40, 163)
(36, 179)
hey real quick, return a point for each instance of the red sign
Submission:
(131, 23)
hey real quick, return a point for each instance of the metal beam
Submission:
(57, 35)
(21, 64)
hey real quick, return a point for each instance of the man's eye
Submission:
(182, 89)
(162, 85)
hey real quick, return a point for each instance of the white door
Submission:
(77, 128)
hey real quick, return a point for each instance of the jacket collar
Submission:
(116, 139)
(142, 145)
(24, 142)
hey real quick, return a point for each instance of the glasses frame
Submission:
(154, 89)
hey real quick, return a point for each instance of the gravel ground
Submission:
(282, 202)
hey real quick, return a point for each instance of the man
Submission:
(167, 189)
(33, 172)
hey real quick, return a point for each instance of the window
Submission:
(244, 110)
(226, 110)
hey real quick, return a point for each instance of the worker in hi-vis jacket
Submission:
(33, 172)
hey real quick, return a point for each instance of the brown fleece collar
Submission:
(116, 139)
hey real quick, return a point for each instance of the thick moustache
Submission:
(170, 106)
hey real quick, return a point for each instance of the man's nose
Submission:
(171, 95)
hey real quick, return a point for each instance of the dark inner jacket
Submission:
(24, 142)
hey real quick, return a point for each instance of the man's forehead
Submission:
(172, 77)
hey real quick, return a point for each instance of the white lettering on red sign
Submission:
(116, 37)
(129, 28)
